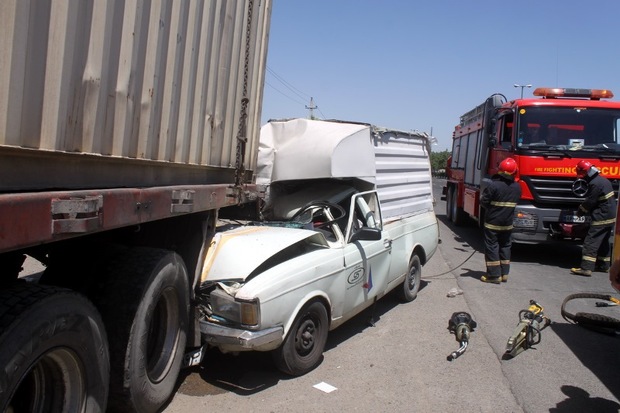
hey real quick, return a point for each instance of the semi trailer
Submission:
(126, 130)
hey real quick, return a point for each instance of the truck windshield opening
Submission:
(568, 128)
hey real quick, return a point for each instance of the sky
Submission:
(419, 65)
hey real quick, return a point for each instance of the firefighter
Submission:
(600, 204)
(499, 200)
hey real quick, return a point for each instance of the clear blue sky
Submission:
(409, 64)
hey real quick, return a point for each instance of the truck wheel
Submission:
(302, 349)
(411, 285)
(144, 302)
(449, 197)
(457, 215)
(53, 351)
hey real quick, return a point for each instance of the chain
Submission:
(243, 117)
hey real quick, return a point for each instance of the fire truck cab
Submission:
(547, 136)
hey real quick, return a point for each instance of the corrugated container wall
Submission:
(128, 92)
(403, 172)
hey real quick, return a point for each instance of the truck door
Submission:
(367, 261)
(504, 146)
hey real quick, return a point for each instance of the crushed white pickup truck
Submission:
(348, 217)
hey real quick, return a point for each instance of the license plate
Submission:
(575, 219)
(524, 223)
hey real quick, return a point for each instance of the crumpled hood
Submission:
(234, 254)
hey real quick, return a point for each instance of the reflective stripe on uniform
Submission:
(498, 227)
(586, 258)
(604, 222)
(492, 263)
(606, 196)
(505, 204)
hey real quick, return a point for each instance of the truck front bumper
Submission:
(235, 339)
(542, 225)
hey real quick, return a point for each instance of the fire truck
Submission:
(547, 136)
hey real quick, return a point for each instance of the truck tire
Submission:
(144, 302)
(52, 342)
(449, 196)
(457, 215)
(411, 285)
(303, 347)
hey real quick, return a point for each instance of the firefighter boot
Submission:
(601, 267)
(488, 279)
(581, 271)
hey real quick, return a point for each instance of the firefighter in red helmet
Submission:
(600, 204)
(499, 200)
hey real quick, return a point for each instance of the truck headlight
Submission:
(236, 311)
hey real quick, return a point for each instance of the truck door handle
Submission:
(387, 243)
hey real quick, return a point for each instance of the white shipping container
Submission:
(128, 92)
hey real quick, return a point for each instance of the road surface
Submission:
(400, 365)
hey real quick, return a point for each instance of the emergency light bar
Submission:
(594, 94)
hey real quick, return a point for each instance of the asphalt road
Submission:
(400, 365)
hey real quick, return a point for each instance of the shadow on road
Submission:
(579, 400)
(588, 346)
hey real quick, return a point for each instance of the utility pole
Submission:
(311, 107)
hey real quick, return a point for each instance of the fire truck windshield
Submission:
(568, 128)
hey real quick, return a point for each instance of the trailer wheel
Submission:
(411, 285)
(53, 351)
(144, 303)
(303, 347)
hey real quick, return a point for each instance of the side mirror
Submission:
(366, 234)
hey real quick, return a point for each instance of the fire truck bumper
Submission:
(537, 225)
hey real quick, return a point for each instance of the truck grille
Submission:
(556, 191)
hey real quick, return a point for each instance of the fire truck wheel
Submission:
(457, 215)
(52, 342)
(449, 197)
(302, 349)
(144, 302)
(411, 285)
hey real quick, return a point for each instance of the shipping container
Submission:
(115, 94)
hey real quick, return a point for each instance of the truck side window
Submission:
(507, 126)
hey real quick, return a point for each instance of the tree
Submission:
(438, 161)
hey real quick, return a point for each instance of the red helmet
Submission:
(583, 169)
(508, 167)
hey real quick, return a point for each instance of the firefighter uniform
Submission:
(499, 200)
(600, 204)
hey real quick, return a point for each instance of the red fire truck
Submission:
(547, 136)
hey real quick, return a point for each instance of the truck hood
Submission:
(236, 253)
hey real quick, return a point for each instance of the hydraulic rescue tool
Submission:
(527, 334)
(461, 324)
(597, 322)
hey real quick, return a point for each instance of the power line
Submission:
(294, 90)
(290, 87)
(283, 94)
